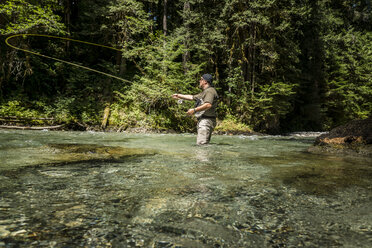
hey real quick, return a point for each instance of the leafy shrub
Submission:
(231, 125)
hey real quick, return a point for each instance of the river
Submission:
(92, 189)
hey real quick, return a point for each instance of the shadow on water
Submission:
(221, 144)
(92, 151)
(318, 174)
(70, 153)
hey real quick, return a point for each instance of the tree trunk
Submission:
(165, 29)
(186, 54)
(122, 62)
(10, 64)
(67, 15)
(68, 21)
(3, 57)
(2, 76)
(253, 60)
(107, 97)
(106, 114)
(123, 66)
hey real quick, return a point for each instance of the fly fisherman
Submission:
(205, 108)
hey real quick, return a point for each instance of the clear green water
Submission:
(81, 189)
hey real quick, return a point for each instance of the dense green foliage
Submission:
(278, 65)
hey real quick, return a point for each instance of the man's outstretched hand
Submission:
(175, 96)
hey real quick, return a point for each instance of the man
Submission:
(205, 109)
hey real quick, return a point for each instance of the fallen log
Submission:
(32, 128)
(26, 118)
(106, 114)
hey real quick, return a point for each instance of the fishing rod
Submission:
(7, 42)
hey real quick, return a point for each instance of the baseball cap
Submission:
(208, 78)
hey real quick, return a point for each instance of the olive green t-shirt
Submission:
(209, 95)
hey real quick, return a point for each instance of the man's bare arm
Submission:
(205, 106)
(185, 97)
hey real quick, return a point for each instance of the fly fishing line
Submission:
(60, 60)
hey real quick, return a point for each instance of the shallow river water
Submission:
(85, 189)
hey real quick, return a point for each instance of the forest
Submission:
(278, 65)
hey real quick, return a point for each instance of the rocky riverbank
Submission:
(353, 138)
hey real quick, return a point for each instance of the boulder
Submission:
(354, 137)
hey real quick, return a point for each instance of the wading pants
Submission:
(205, 129)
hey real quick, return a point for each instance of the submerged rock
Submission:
(353, 138)
(56, 154)
(91, 152)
